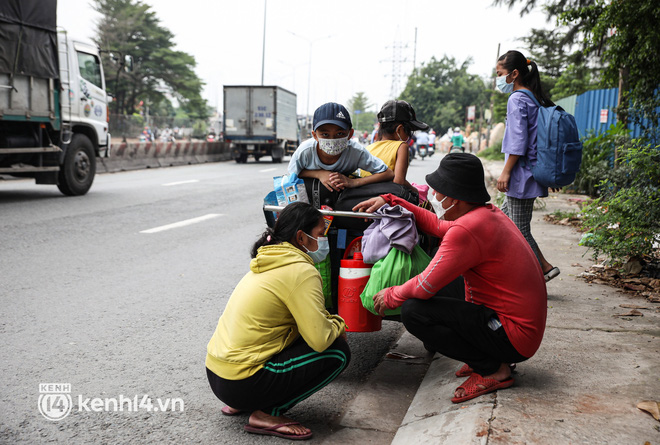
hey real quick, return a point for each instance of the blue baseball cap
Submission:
(332, 113)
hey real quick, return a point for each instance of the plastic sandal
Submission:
(472, 390)
(272, 431)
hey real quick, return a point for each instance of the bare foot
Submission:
(262, 420)
(503, 373)
(229, 411)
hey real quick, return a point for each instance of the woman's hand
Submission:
(379, 303)
(370, 205)
(503, 182)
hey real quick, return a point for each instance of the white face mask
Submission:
(503, 86)
(333, 147)
(437, 205)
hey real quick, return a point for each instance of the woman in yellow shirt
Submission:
(275, 343)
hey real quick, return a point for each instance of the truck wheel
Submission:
(79, 167)
(242, 158)
(277, 160)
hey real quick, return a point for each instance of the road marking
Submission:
(267, 170)
(180, 182)
(187, 222)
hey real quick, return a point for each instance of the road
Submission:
(93, 298)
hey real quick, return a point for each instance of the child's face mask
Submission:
(333, 147)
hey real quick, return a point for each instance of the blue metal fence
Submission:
(594, 111)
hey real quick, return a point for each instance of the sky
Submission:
(356, 45)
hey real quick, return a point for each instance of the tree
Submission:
(627, 34)
(365, 119)
(564, 70)
(624, 36)
(441, 90)
(130, 27)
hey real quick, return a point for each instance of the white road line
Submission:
(187, 222)
(180, 182)
(267, 170)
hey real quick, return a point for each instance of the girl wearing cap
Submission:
(516, 72)
(498, 318)
(397, 123)
(275, 344)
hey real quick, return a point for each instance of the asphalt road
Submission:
(90, 300)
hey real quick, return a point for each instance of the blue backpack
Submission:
(558, 143)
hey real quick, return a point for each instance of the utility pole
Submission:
(490, 110)
(415, 51)
(263, 47)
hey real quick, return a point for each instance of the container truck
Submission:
(53, 101)
(260, 121)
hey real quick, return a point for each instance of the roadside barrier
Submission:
(140, 155)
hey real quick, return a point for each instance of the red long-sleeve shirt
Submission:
(499, 268)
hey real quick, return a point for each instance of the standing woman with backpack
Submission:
(516, 72)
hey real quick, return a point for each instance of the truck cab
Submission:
(53, 100)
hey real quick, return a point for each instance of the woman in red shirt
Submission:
(501, 318)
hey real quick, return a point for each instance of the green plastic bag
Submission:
(395, 269)
(325, 270)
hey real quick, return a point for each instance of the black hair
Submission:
(530, 78)
(295, 216)
(388, 128)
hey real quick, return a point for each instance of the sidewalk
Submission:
(582, 386)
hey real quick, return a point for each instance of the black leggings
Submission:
(458, 329)
(286, 379)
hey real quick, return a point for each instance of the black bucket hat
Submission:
(460, 176)
(400, 111)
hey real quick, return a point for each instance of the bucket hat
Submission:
(460, 176)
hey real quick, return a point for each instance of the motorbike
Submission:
(422, 150)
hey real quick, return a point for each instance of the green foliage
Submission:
(492, 153)
(199, 129)
(598, 157)
(363, 121)
(441, 90)
(624, 221)
(627, 35)
(559, 214)
(130, 27)
(575, 79)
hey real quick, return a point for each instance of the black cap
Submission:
(460, 176)
(332, 113)
(400, 111)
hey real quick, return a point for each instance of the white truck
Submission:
(260, 121)
(53, 101)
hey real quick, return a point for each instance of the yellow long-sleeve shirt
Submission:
(278, 300)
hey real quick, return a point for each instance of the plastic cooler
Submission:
(353, 276)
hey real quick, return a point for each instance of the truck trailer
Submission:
(53, 100)
(260, 121)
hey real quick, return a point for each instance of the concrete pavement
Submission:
(582, 386)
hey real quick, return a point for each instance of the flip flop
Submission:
(552, 273)
(271, 431)
(466, 371)
(472, 390)
(226, 411)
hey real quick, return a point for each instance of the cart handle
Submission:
(272, 208)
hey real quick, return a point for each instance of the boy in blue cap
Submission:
(331, 155)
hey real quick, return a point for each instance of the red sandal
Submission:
(472, 390)
(466, 371)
